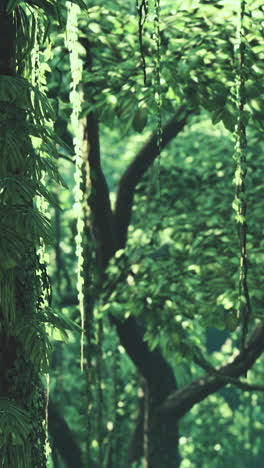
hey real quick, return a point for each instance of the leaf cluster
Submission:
(189, 274)
(14, 429)
(198, 65)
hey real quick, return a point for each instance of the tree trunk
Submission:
(155, 438)
(23, 434)
(160, 436)
(63, 439)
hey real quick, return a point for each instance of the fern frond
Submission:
(42, 108)
(15, 90)
(14, 422)
(59, 320)
(46, 164)
(14, 430)
(28, 222)
(12, 248)
(24, 189)
(8, 298)
(35, 344)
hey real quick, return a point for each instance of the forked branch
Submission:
(137, 169)
(181, 401)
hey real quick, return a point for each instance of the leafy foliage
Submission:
(178, 281)
(191, 71)
(14, 429)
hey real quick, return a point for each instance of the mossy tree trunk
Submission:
(22, 425)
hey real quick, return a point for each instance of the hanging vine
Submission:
(38, 78)
(157, 90)
(100, 399)
(143, 12)
(116, 393)
(240, 202)
(142, 9)
(76, 66)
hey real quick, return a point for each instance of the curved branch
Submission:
(180, 402)
(99, 200)
(151, 364)
(137, 169)
(207, 366)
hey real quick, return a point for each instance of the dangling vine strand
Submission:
(157, 90)
(76, 102)
(240, 203)
(157, 71)
(39, 68)
(142, 16)
(142, 9)
(116, 393)
(99, 370)
(44, 300)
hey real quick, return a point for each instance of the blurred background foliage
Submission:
(180, 282)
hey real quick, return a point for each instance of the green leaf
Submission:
(229, 120)
(217, 116)
(140, 119)
(12, 4)
(13, 420)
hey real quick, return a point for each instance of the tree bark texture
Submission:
(160, 434)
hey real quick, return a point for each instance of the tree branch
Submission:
(137, 169)
(128, 331)
(99, 199)
(151, 364)
(180, 402)
(207, 366)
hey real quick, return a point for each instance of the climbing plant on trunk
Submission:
(27, 151)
